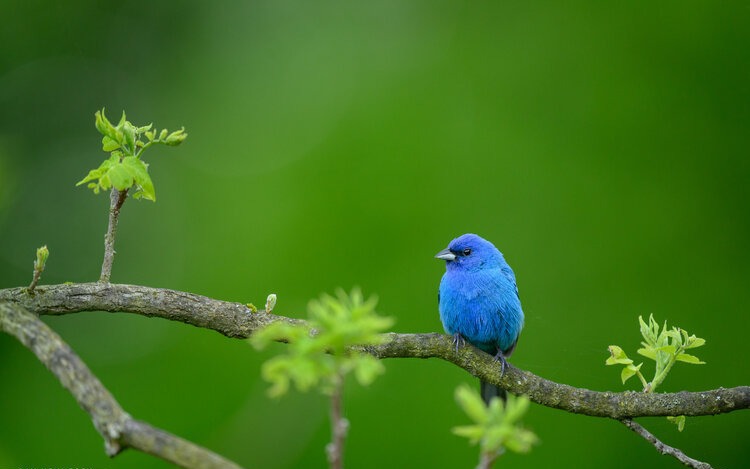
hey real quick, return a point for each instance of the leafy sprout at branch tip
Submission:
(125, 143)
(665, 347)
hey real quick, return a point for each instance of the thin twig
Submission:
(664, 448)
(116, 199)
(487, 460)
(238, 321)
(35, 279)
(39, 263)
(117, 427)
(339, 426)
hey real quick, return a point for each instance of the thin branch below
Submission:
(117, 427)
(664, 448)
(339, 426)
(238, 321)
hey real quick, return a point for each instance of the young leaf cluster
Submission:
(125, 143)
(320, 356)
(495, 426)
(663, 345)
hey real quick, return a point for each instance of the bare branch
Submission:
(665, 449)
(617, 405)
(238, 321)
(117, 427)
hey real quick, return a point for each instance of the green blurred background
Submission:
(602, 146)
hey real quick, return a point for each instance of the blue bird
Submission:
(478, 301)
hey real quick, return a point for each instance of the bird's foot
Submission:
(499, 357)
(458, 341)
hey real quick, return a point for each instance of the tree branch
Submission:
(117, 427)
(665, 449)
(116, 199)
(238, 321)
(339, 427)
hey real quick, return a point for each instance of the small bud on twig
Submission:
(270, 302)
(176, 137)
(42, 254)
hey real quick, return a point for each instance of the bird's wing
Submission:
(509, 352)
(508, 272)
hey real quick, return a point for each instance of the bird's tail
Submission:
(489, 391)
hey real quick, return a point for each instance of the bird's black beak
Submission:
(446, 255)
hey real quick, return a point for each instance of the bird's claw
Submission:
(503, 362)
(458, 341)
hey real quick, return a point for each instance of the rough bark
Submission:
(237, 320)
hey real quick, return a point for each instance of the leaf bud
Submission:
(176, 137)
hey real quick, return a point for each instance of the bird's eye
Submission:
(467, 251)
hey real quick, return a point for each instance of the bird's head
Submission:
(470, 252)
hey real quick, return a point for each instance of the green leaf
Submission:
(120, 177)
(123, 119)
(673, 333)
(304, 372)
(104, 126)
(647, 330)
(471, 403)
(516, 408)
(684, 357)
(617, 356)
(647, 352)
(109, 145)
(100, 173)
(128, 131)
(367, 368)
(629, 371)
(679, 421)
(274, 370)
(495, 409)
(668, 349)
(694, 342)
(92, 175)
(521, 441)
(472, 432)
(276, 332)
(495, 437)
(139, 170)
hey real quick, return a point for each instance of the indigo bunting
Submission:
(478, 301)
